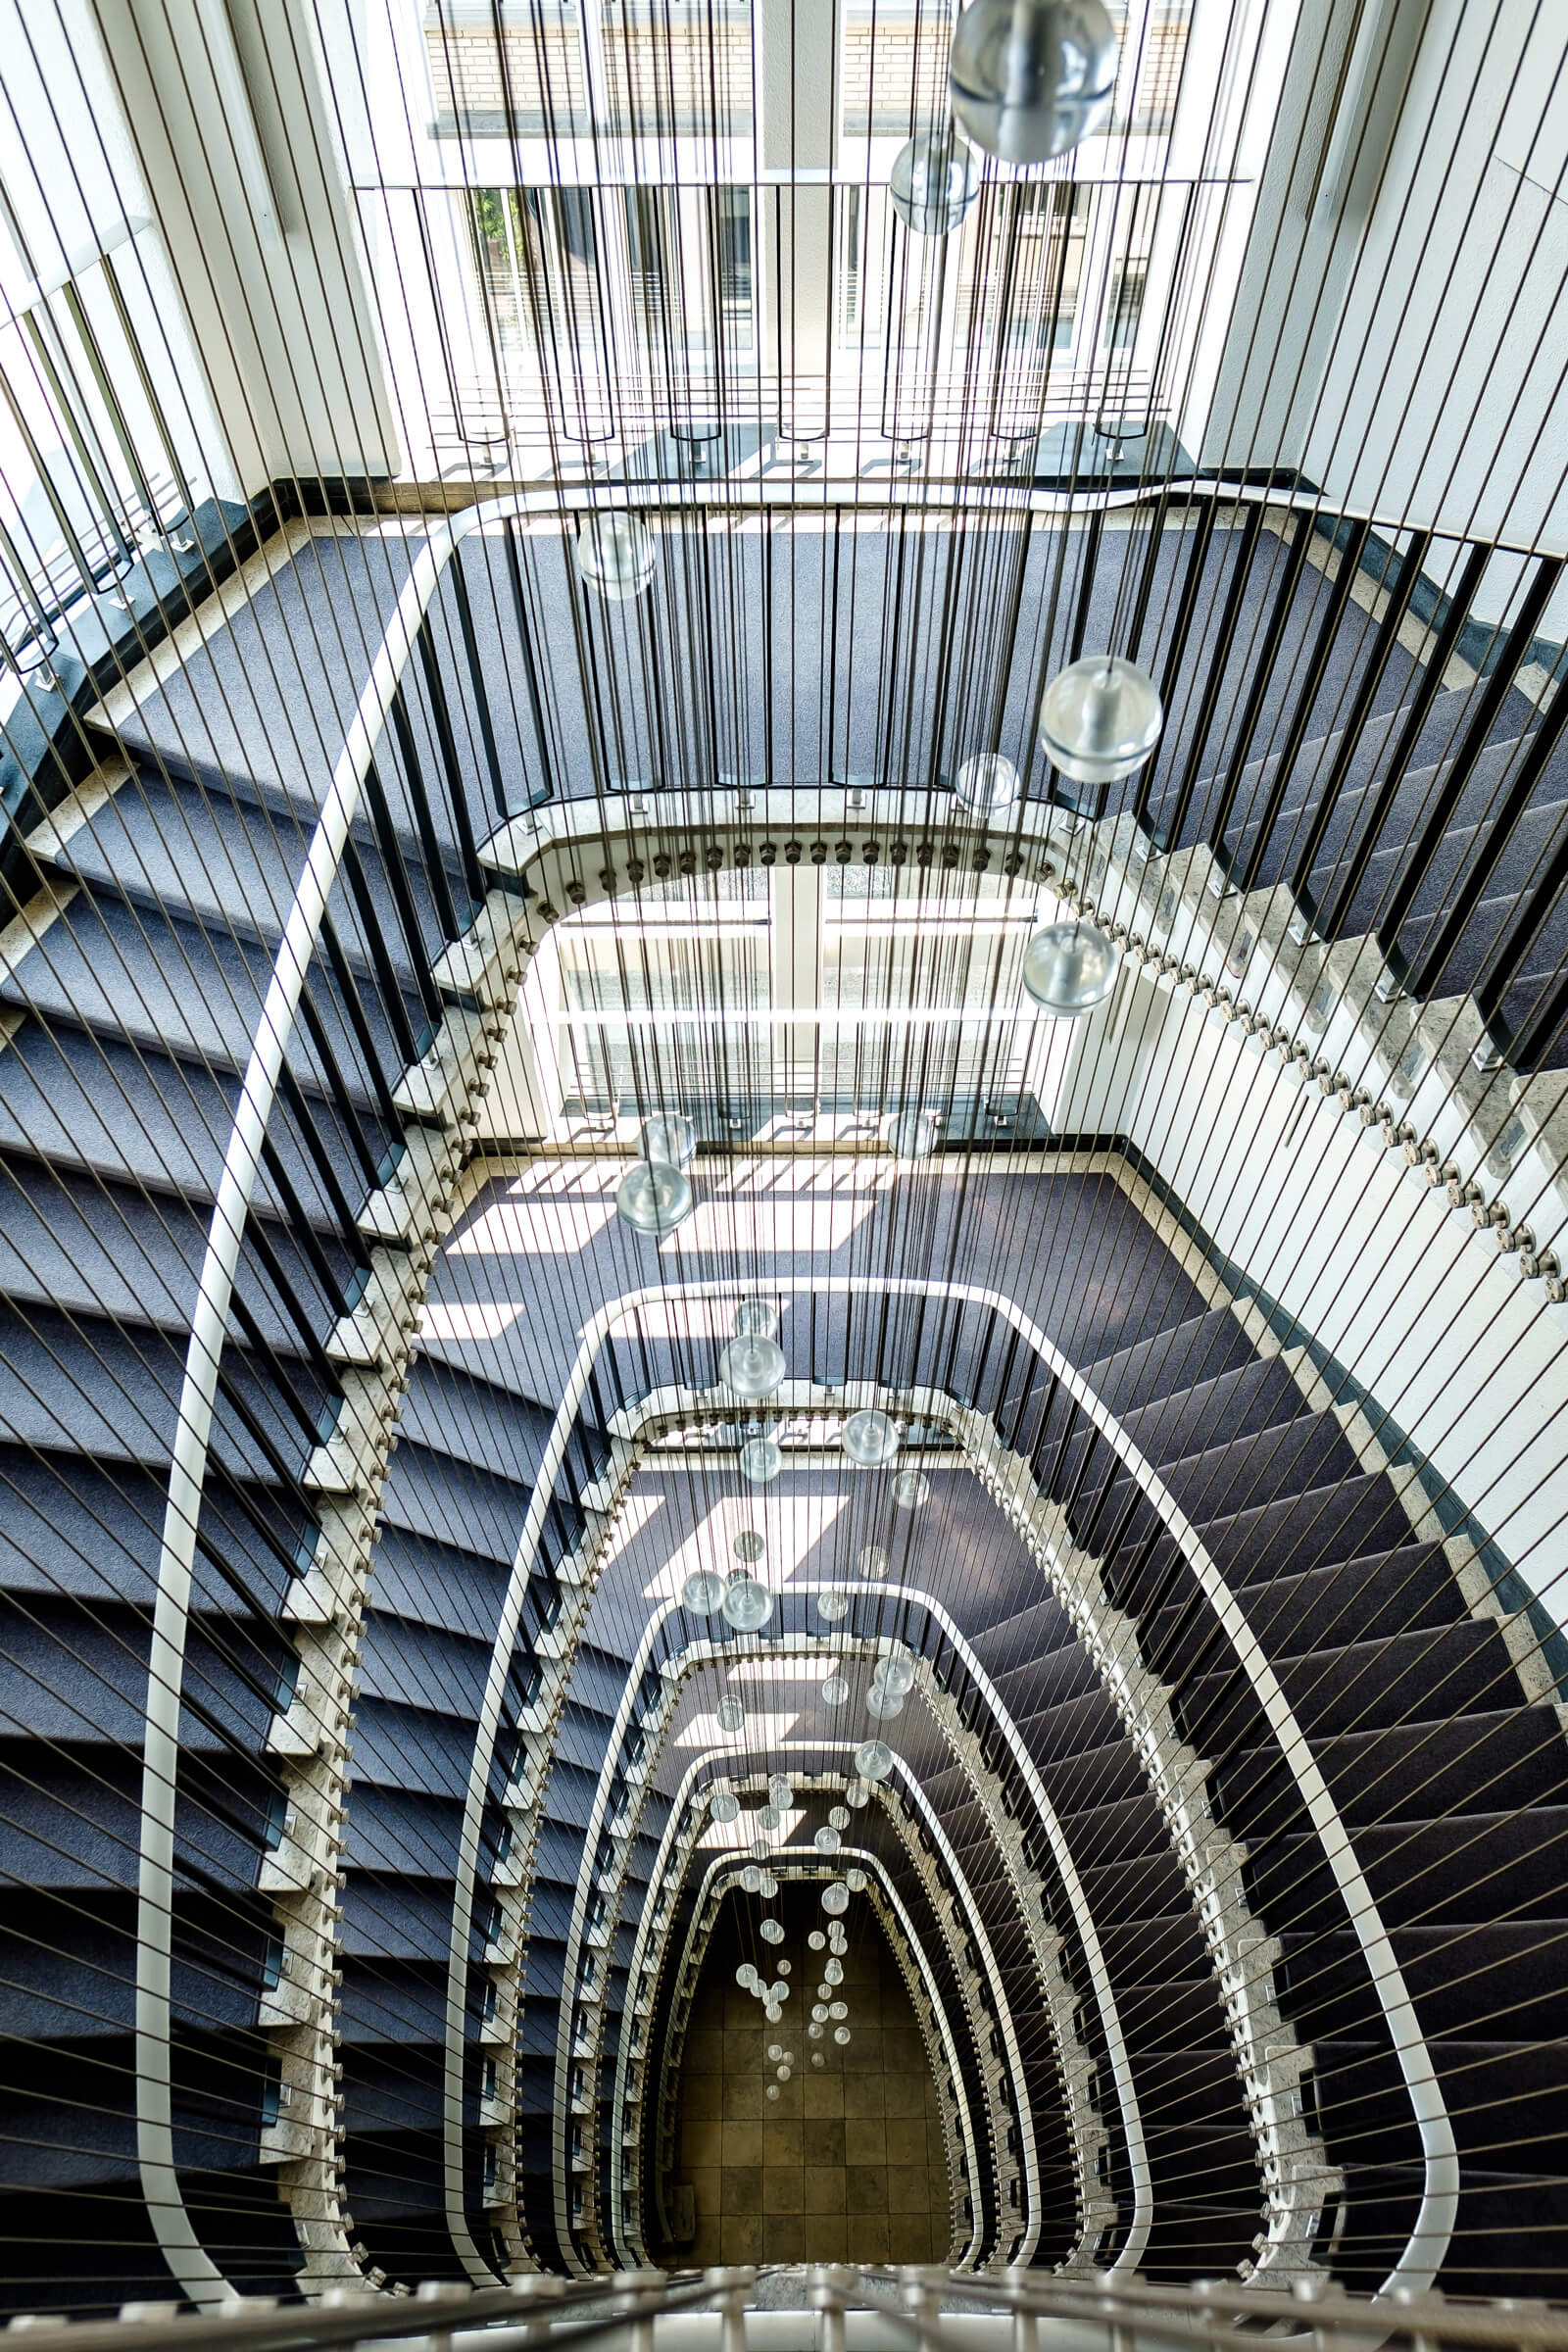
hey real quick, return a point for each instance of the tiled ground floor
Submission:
(847, 2165)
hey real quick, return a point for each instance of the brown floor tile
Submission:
(742, 2144)
(822, 2140)
(867, 2237)
(824, 2190)
(702, 2141)
(826, 2238)
(905, 2095)
(740, 2052)
(704, 2180)
(823, 2094)
(904, 2053)
(784, 2238)
(906, 2140)
(908, 2188)
(741, 2236)
(789, 2100)
(706, 2247)
(908, 2237)
(865, 2188)
(783, 2188)
(783, 2139)
(936, 2189)
(706, 2053)
(863, 2094)
(864, 2053)
(742, 2099)
(701, 2096)
(864, 2140)
(741, 2190)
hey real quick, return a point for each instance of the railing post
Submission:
(539, 2287)
(731, 2287)
(827, 2301)
(630, 2289)
(1025, 2323)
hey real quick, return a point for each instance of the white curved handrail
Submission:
(192, 2268)
(595, 1333)
(694, 1654)
(1428, 2242)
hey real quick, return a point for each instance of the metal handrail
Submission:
(977, 1929)
(1428, 2242)
(1315, 2317)
(193, 2268)
(686, 1660)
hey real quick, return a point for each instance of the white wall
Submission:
(1443, 400)
(1403, 337)
(224, 106)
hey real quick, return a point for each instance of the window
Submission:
(1125, 306)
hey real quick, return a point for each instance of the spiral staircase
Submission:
(419, 1729)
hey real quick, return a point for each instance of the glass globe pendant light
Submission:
(873, 1563)
(1030, 78)
(655, 1196)
(780, 1795)
(617, 554)
(749, 1545)
(988, 783)
(756, 1319)
(1100, 718)
(753, 1368)
(832, 1605)
(870, 1438)
(672, 1138)
(835, 1898)
(911, 1488)
(835, 1691)
(895, 1673)
(761, 1460)
(882, 1703)
(855, 1881)
(913, 1134)
(726, 1806)
(874, 1760)
(701, 1593)
(747, 1604)
(826, 1839)
(1068, 968)
(730, 1714)
(934, 180)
